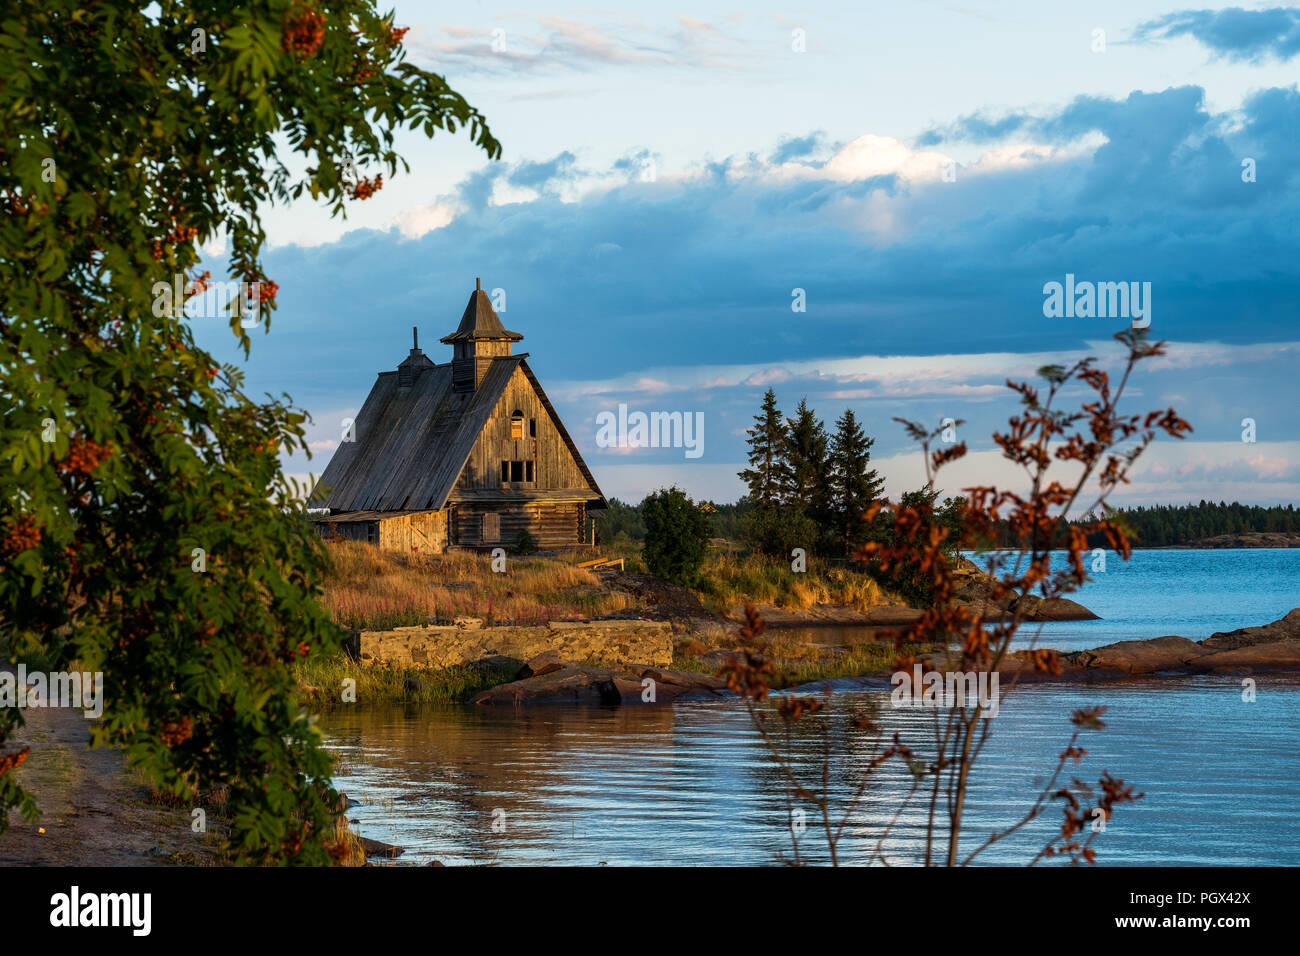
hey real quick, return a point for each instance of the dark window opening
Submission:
(512, 471)
(532, 428)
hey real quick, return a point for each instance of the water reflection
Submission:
(691, 783)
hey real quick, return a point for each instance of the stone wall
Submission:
(647, 643)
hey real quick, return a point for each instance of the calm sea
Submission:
(1192, 593)
(692, 783)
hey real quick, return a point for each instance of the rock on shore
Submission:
(580, 683)
(1266, 648)
(975, 587)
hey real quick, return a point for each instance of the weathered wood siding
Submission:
(420, 447)
(552, 524)
(426, 533)
(554, 467)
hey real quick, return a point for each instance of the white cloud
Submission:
(872, 155)
(415, 221)
(717, 482)
(1169, 472)
(895, 376)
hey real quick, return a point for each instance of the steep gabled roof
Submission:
(564, 434)
(412, 443)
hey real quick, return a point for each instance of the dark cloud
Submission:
(547, 175)
(636, 165)
(797, 147)
(1164, 146)
(1234, 33)
(976, 127)
(699, 270)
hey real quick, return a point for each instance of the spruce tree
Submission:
(768, 474)
(806, 450)
(853, 485)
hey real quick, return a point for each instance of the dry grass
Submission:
(371, 589)
(752, 578)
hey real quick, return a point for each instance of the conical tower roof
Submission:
(480, 321)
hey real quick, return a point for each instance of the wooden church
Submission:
(467, 454)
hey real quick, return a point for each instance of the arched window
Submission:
(517, 425)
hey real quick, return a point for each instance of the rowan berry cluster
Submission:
(304, 32)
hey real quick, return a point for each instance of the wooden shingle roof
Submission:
(412, 443)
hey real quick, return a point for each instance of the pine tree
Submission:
(768, 474)
(853, 486)
(806, 450)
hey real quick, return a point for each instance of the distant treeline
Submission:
(1162, 525)
(623, 519)
(1153, 527)
(809, 487)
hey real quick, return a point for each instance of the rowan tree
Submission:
(146, 526)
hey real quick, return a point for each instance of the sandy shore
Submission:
(94, 811)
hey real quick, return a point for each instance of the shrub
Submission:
(677, 536)
(525, 543)
(778, 531)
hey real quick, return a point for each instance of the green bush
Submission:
(677, 536)
(525, 543)
(778, 531)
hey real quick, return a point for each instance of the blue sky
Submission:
(920, 171)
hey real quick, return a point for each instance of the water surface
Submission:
(1189, 592)
(692, 783)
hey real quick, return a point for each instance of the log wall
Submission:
(552, 524)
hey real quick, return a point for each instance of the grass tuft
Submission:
(729, 580)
